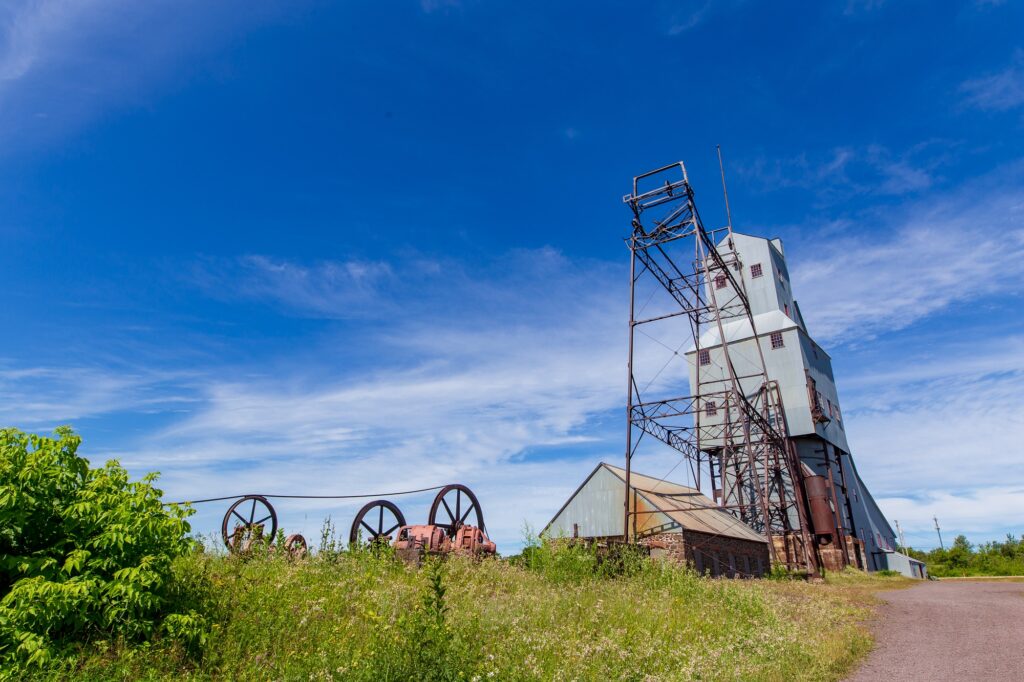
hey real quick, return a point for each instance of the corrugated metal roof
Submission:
(687, 506)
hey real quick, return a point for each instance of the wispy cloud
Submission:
(938, 432)
(473, 376)
(335, 289)
(685, 18)
(859, 6)
(431, 6)
(845, 172)
(982, 514)
(1000, 91)
(939, 252)
(34, 32)
(44, 397)
(64, 62)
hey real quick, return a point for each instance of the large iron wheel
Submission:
(452, 507)
(295, 547)
(249, 516)
(378, 519)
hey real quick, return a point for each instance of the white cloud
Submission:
(685, 19)
(64, 62)
(858, 6)
(937, 431)
(999, 91)
(475, 372)
(330, 289)
(931, 255)
(45, 397)
(35, 31)
(846, 172)
(982, 514)
(431, 6)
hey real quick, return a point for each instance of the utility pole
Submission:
(939, 531)
(903, 543)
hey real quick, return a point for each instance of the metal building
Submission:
(847, 522)
(675, 521)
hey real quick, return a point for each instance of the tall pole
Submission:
(903, 543)
(629, 387)
(939, 531)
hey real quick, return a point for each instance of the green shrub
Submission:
(966, 559)
(887, 573)
(84, 553)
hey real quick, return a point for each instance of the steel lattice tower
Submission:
(731, 425)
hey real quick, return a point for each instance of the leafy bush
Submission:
(965, 559)
(84, 552)
(570, 560)
(888, 573)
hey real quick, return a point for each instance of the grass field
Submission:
(342, 616)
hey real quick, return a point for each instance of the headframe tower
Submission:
(730, 425)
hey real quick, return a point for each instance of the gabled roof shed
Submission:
(596, 509)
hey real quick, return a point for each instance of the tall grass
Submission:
(556, 615)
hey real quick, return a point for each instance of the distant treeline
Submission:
(965, 559)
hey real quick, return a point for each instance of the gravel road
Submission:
(949, 630)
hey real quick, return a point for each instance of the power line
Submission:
(308, 497)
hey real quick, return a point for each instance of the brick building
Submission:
(675, 521)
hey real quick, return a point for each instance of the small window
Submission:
(777, 340)
(787, 309)
(710, 409)
(755, 270)
(835, 412)
(704, 356)
(720, 281)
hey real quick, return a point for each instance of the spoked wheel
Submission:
(246, 522)
(377, 521)
(295, 547)
(452, 509)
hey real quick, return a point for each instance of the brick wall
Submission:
(711, 554)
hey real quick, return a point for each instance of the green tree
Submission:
(83, 551)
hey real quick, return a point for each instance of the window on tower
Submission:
(720, 281)
(710, 409)
(777, 340)
(755, 270)
(704, 356)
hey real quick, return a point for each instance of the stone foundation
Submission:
(789, 549)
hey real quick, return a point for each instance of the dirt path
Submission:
(949, 631)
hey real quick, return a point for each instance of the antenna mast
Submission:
(725, 190)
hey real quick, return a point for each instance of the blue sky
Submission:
(354, 247)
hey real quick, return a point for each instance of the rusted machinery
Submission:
(446, 530)
(822, 520)
(251, 520)
(250, 515)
